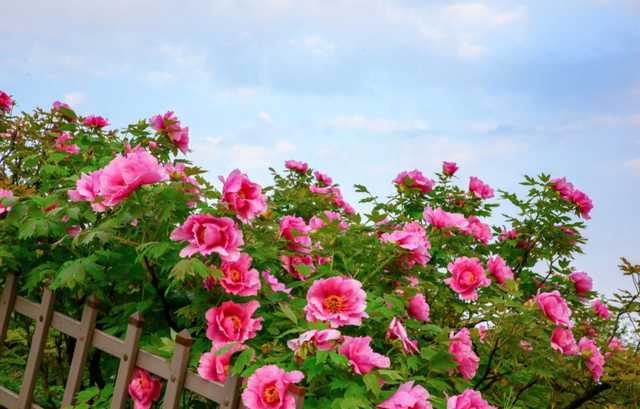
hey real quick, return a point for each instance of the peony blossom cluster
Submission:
(207, 234)
(296, 166)
(600, 309)
(361, 356)
(177, 174)
(396, 331)
(595, 360)
(5, 102)
(339, 300)
(70, 149)
(469, 399)
(468, 275)
(414, 180)
(566, 190)
(562, 341)
(144, 389)
(95, 121)
(116, 181)
(499, 270)
(413, 240)
(243, 196)
(449, 168)
(408, 397)
(440, 219)
(479, 188)
(267, 388)
(462, 347)
(295, 230)
(170, 126)
(554, 307)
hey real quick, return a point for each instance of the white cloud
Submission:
(482, 127)
(243, 93)
(74, 99)
(632, 166)
(478, 15)
(157, 77)
(182, 57)
(468, 51)
(359, 123)
(242, 156)
(266, 117)
(610, 121)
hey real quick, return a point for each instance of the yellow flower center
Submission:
(471, 276)
(271, 394)
(333, 304)
(241, 195)
(236, 322)
(142, 383)
(225, 369)
(235, 275)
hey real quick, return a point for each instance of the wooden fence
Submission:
(127, 350)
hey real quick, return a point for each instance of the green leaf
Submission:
(289, 313)
(442, 362)
(243, 359)
(224, 349)
(372, 383)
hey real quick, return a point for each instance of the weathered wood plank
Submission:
(128, 361)
(6, 305)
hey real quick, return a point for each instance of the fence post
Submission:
(231, 386)
(37, 348)
(79, 361)
(179, 363)
(298, 393)
(6, 306)
(128, 361)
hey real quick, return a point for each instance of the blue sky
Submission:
(362, 90)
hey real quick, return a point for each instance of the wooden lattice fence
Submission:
(127, 350)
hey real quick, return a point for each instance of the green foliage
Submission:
(126, 257)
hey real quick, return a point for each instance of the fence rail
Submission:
(127, 350)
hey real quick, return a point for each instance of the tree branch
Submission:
(588, 395)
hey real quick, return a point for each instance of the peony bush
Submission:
(416, 303)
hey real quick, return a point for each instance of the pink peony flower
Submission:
(408, 397)
(232, 322)
(413, 239)
(214, 368)
(482, 333)
(170, 126)
(498, 268)
(238, 279)
(512, 235)
(526, 346)
(468, 275)
(340, 300)
(419, 308)
(479, 230)
(417, 180)
(595, 360)
(243, 196)
(144, 389)
(358, 351)
(397, 331)
(323, 179)
(207, 234)
(124, 175)
(440, 219)
(177, 173)
(319, 190)
(583, 202)
(600, 309)
(317, 223)
(267, 388)
(554, 307)
(73, 230)
(291, 262)
(563, 187)
(274, 283)
(324, 340)
(57, 105)
(5, 102)
(4, 192)
(298, 241)
(562, 340)
(96, 121)
(479, 188)
(582, 282)
(297, 166)
(568, 233)
(462, 348)
(70, 149)
(469, 399)
(88, 189)
(449, 168)
(615, 345)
